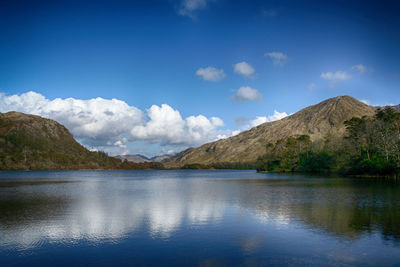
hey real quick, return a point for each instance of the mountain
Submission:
(137, 158)
(319, 121)
(161, 158)
(395, 107)
(29, 142)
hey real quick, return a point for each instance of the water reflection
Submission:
(342, 207)
(99, 210)
(108, 210)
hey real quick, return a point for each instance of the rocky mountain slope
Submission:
(319, 121)
(29, 142)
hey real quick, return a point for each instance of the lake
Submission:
(196, 217)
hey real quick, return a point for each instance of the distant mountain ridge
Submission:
(137, 158)
(319, 121)
(161, 158)
(395, 107)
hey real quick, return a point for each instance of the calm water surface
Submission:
(206, 218)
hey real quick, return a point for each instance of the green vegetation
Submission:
(322, 121)
(371, 146)
(221, 165)
(30, 142)
(196, 166)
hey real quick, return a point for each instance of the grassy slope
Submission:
(29, 142)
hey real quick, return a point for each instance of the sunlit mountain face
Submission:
(196, 213)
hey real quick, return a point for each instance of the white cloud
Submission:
(238, 131)
(95, 120)
(259, 120)
(360, 68)
(243, 68)
(366, 101)
(246, 93)
(336, 76)
(277, 116)
(166, 126)
(278, 58)
(211, 74)
(168, 151)
(113, 125)
(262, 119)
(189, 7)
(103, 124)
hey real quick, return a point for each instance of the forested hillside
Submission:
(371, 146)
(322, 121)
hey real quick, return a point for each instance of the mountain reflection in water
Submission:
(113, 207)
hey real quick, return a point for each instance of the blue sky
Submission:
(183, 54)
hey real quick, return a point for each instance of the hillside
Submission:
(137, 158)
(29, 142)
(161, 158)
(318, 121)
(395, 107)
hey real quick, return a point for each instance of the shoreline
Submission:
(362, 176)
